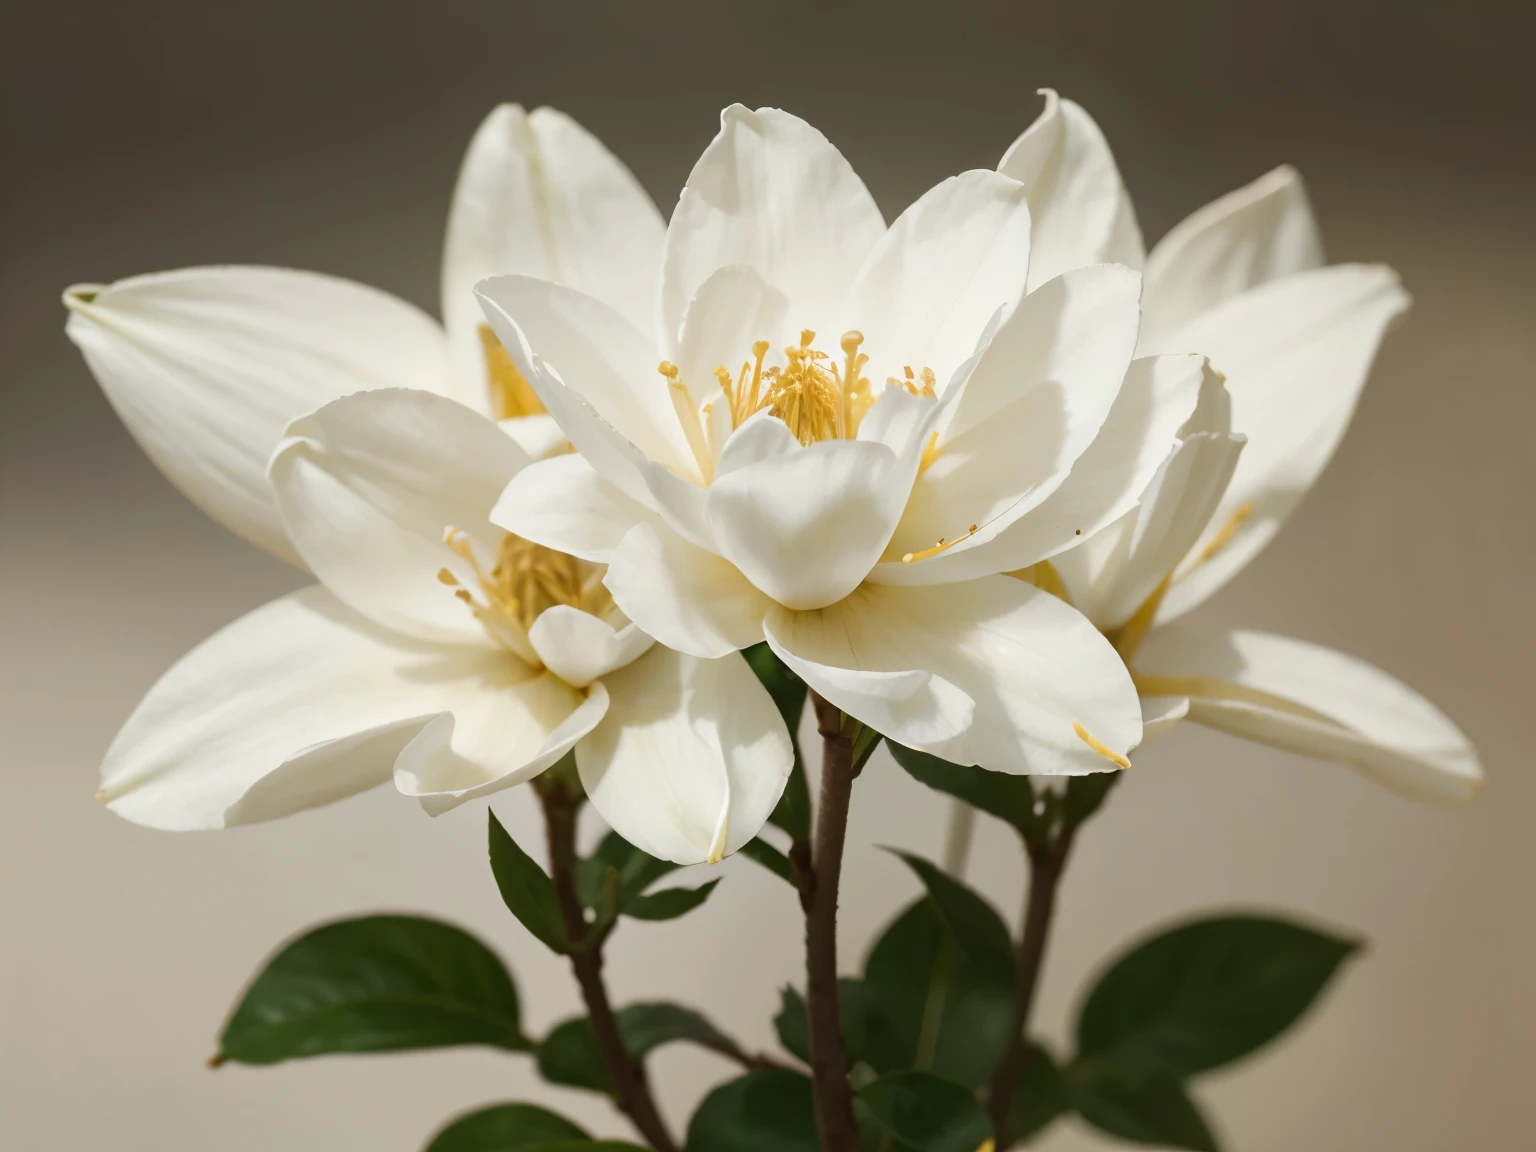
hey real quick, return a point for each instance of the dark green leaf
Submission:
(927, 1112)
(793, 812)
(636, 871)
(669, 903)
(1204, 994)
(586, 1146)
(527, 891)
(977, 927)
(375, 984)
(1146, 1110)
(504, 1128)
(570, 1055)
(1039, 1096)
(1009, 798)
(769, 857)
(768, 1111)
(1085, 794)
(977, 1012)
(793, 1023)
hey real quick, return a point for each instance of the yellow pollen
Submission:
(941, 546)
(509, 393)
(526, 579)
(1099, 746)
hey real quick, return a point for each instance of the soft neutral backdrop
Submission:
(141, 136)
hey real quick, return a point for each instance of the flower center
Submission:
(525, 580)
(816, 397)
(509, 394)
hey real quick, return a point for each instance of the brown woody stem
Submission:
(818, 881)
(631, 1089)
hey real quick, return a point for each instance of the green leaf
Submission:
(927, 1112)
(977, 927)
(767, 1111)
(669, 903)
(374, 984)
(636, 870)
(1204, 994)
(794, 1027)
(1085, 795)
(1039, 1096)
(793, 811)
(769, 857)
(527, 891)
(1009, 798)
(505, 1128)
(569, 1054)
(586, 1146)
(976, 1021)
(1147, 1109)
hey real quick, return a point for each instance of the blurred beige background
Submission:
(141, 136)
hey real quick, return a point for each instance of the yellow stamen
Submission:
(1219, 541)
(1128, 637)
(1099, 746)
(526, 580)
(942, 546)
(510, 394)
(930, 453)
(688, 417)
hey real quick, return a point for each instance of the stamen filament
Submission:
(942, 546)
(688, 417)
(1099, 746)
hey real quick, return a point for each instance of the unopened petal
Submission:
(562, 503)
(579, 647)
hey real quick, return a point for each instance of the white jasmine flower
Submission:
(1243, 282)
(443, 653)
(841, 434)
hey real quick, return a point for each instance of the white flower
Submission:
(1242, 281)
(842, 434)
(444, 653)
(206, 366)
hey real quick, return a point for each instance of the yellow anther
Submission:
(942, 546)
(1099, 746)
(446, 577)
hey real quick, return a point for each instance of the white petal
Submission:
(540, 196)
(691, 758)
(1035, 401)
(941, 272)
(1314, 701)
(509, 735)
(1258, 233)
(297, 704)
(206, 367)
(578, 647)
(562, 503)
(807, 524)
(1295, 352)
(1082, 213)
(600, 357)
(731, 311)
(1160, 713)
(539, 436)
(684, 596)
(1035, 670)
(1160, 396)
(770, 191)
(368, 484)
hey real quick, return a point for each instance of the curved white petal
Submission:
(538, 435)
(1035, 670)
(770, 191)
(1160, 713)
(1314, 701)
(540, 196)
(501, 737)
(562, 503)
(1257, 233)
(807, 524)
(578, 647)
(686, 597)
(938, 276)
(1082, 212)
(597, 355)
(733, 309)
(1295, 352)
(1035, 401)
(368, 484)
(206, 367)
(691, 758)
(1160, 396)
(299, 703)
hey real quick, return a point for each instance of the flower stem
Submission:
(1046, 863)
(631, 1089)
(835, 1124)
